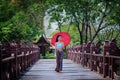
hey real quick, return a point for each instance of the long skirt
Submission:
(59, 60)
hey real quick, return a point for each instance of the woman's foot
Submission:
(57, 70)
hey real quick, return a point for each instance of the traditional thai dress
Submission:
(59, 56)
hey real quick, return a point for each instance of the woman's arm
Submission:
(55, 50)
(55, 47)
(62, 45)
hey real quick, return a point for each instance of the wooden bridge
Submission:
(44, 70)
(21, 62)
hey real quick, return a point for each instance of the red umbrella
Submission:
(65, 38)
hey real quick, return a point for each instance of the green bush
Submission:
(50, 56)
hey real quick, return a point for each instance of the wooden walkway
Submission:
(44, 70)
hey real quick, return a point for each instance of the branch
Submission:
(104, 15)
(99, 26)
(117, 35)
(103, 27)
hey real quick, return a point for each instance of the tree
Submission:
(21, 19)
(89, 16)
(57, 14)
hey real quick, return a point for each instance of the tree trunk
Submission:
(117, 35)
(90, 33)
(95, 35)
(81, 38)
(80, 33)
(68, 29)
(86, 35)
(59, 25)
(111, 35)
(86, 25)
(99, 28)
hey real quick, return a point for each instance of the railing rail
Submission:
(102, 63)
(16, 60)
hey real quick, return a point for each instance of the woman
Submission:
(59, 53)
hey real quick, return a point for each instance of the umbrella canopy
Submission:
(65, 38)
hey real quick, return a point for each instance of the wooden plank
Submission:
(44, 70)
(7, 59)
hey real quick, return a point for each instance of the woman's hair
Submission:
(57, 37)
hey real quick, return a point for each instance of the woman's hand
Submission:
(60, 50)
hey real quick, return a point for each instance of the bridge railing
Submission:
(15, 59)
(102, 63)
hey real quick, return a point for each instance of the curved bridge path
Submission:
(44, 70)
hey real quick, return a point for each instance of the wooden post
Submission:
(92, 51)
(16, 65)
(0, 62)
(104, 65)
(106, 52)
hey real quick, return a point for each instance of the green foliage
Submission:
(73, 33)
(19, 28)
(36, 14)
(21, 19)
(50, 56)
(7, 10)
(93, 16)
(113, 32)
